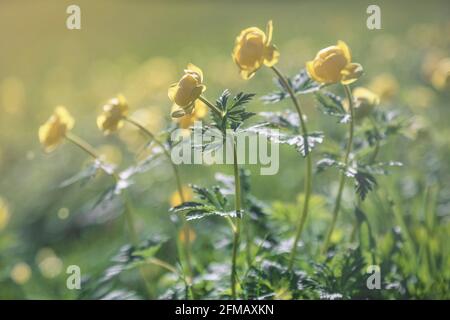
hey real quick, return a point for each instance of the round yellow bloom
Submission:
(21, 273)
(333, 64)
(4, 214)
(385, 86)
(199, 112)
(441, 75)
(175, 198)
(52, 133)
(365, 101)
(185, 92)
(253, 49)
(112, 116)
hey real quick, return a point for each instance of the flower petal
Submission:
(271, 55)
(345, 49)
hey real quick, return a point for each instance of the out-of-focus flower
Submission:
(111, 119)
(175, 198)
(49, 264)
(441, 75)
(63, 213)
(420, 97)
(12, 95)
(334, 64)
(385, 86)
(199, 112)
(253, 49)
(52, 133)
(4, 214)
(182, 235)
(365, 101)
(21, 273)
(187, 90)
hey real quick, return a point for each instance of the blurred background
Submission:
(138, 48)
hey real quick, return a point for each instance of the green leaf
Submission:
(331, 104)
(286, 119)
(364, 183)
(295, 140)
(301, 83)
(196, 210)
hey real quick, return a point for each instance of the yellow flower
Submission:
(385, 86)
(52, 133)
(333, 64)
(185, 92)
(253, 49)
(4, 214)
(441, 75)
(21, 273)
(365, 101)
(111, 119)
(199, 112)
(175, 198)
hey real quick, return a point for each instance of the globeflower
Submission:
(199, 112)
(333, 64)
(185, 92)
(114, 112)
(52, 133)
(253, 49)
(365, 101)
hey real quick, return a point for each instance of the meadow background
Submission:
(138, 48)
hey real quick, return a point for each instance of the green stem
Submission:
(186, 244)
(308, 168)
(211, 106)
(236, 231)
(86, 147)
(377, 143)
(342, 176)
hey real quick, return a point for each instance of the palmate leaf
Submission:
(363, 175)
(234, 112)
(301, 83)
(331, 104)
(295, 140)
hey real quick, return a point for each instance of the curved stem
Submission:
(308, 168)
(187, 250)
(342, 176)
(211, 105)
(237, 230)
(86, 147)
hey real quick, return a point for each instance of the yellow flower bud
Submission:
(52, 133)
(333, 64)
(253, 49)
(185, 92)
(199, 112)
(111, 119)
(365, 101)
(4, 214)
(385, 86)
(175, 198)
(441, 75)
(21, 273)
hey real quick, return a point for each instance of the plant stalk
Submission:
(186, 244)
(86, 147)
(237, 230)
(308, 168)
(342, 176)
